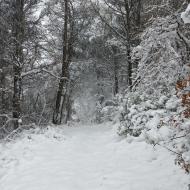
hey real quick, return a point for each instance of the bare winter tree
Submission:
(125, 18)
(3, 63)
(57, 115)
(19, 38)
(18, 61)
(73, 15)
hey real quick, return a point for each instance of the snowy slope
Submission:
(87, 158)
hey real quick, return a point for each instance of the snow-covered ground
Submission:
(87, 158)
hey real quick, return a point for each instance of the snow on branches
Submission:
(186, 15)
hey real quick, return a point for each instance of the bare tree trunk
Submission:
(18, 32)
(62, 83)
(17, 95)
(69, 109)
(64, 104)
(128, 42)
(2, 93)
(116, 81)
(139, 7)
(116, 70)
(130, 69)
(2, 86)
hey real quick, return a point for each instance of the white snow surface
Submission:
(87, 158)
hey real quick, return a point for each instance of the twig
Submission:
(179, 137)
(168, 149)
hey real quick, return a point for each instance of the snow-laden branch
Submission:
(186, 15)
(106, 22)
(186, 40)
(40, 70)
(154, 8)
(8, 120)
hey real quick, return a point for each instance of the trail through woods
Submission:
(87, 158)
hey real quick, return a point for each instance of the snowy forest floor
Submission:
(87, 158)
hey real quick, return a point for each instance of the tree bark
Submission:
(128, 43)
(57, 116)
(116, 81)
(18, 33)
(116, 70)
(2, 91)
(139, 7)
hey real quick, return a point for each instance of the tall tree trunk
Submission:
(57, 116)
(130, 69)
(2, 91)
(69, 109)
(116, 70)
(66, 103)
(116, 81)
(18, 32)
(139, 7)
(128, 42)
(17, 96)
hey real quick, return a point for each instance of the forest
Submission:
(94, 94)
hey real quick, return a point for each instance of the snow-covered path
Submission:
(88, 158)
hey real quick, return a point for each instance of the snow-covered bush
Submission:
(154, 110)
(159, 58)
(107, 110)
(145, 114)
(158, 122)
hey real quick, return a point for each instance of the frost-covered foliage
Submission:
(159, 58)
(158, 123)
(140, 114)
(107, 110)
(154, 110)
(186, 15)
